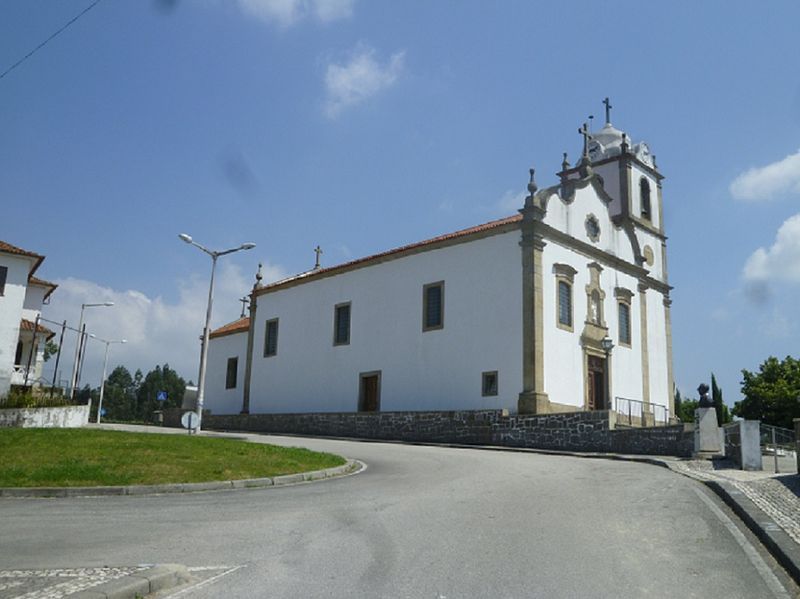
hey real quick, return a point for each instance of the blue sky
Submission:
(362, 125)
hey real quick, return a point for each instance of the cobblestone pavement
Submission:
(57, 582)
(777, 495)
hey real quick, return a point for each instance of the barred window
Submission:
(433, 306)
(341, 324)
(489, 383)
(231, 372)
(624, 323)
(271, 338)
(564, 304)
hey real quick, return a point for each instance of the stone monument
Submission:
(706, 427)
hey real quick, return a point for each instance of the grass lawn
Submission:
(84, 457)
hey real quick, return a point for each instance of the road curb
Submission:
(140, 584)
(350, 467)
(780, 545)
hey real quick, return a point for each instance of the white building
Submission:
(21, 298)
(564, 306)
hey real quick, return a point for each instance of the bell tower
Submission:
(629, 175)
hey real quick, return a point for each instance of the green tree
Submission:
(161, 378)
(772, 394)
(678, 402)
(50, 349)
(119, 398)
(723, 415)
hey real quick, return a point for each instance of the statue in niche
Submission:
(594, 308)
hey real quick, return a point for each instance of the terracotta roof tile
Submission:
(42, 283)
(27, 325)
(396, 251)
(12, 249)
(237, 326)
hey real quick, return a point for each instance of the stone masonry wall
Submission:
(572, 431)
(676, 440)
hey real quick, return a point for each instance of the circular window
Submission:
(593, 228)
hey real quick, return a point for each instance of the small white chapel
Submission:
(564, 306)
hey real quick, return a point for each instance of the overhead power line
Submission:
(44, 43)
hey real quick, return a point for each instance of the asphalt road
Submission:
(420, 522)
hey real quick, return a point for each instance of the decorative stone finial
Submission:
(532, 187)
(607, 102)
(624, 146)
(564, 163)
(259, 277)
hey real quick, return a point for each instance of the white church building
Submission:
(562, 307)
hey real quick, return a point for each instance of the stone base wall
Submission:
(674, 440)
(63, 417)
(569, 431)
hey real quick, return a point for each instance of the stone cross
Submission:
(607, 102)
(318, 252)
(586, 137)
(244, 301)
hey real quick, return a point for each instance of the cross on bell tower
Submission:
(607, 102)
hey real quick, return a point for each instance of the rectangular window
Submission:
(433, 306)
(341, 324)
(565, 304)
(3, 275)
(231, 372)
(271, 338)
(489, 383)
(624, 324)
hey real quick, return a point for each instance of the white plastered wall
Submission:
(11, 303)
(563, 353)
(217, 398)
(433, 370)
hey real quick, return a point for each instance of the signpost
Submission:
(189, 421)
(161, 396)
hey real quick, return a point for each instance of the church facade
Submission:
(562, 307)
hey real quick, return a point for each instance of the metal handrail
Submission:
(642, 408)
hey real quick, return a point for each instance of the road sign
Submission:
(102, 411)
(161, 396)
(189, 420)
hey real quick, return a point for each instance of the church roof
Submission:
(398, 252)
(237, 326)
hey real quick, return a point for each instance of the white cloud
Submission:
(779, 262)
(360, 78)
(510, 202)
(156, 331)
(764, 183)
(289, 12)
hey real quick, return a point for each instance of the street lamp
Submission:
(103, 382)
(73, 381)
(201, 383)
(607, 344)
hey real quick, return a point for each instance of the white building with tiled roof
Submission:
(562, 307)
(21, 298)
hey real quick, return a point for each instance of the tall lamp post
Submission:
(74, 378)
(103, 382)
(201, 383)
